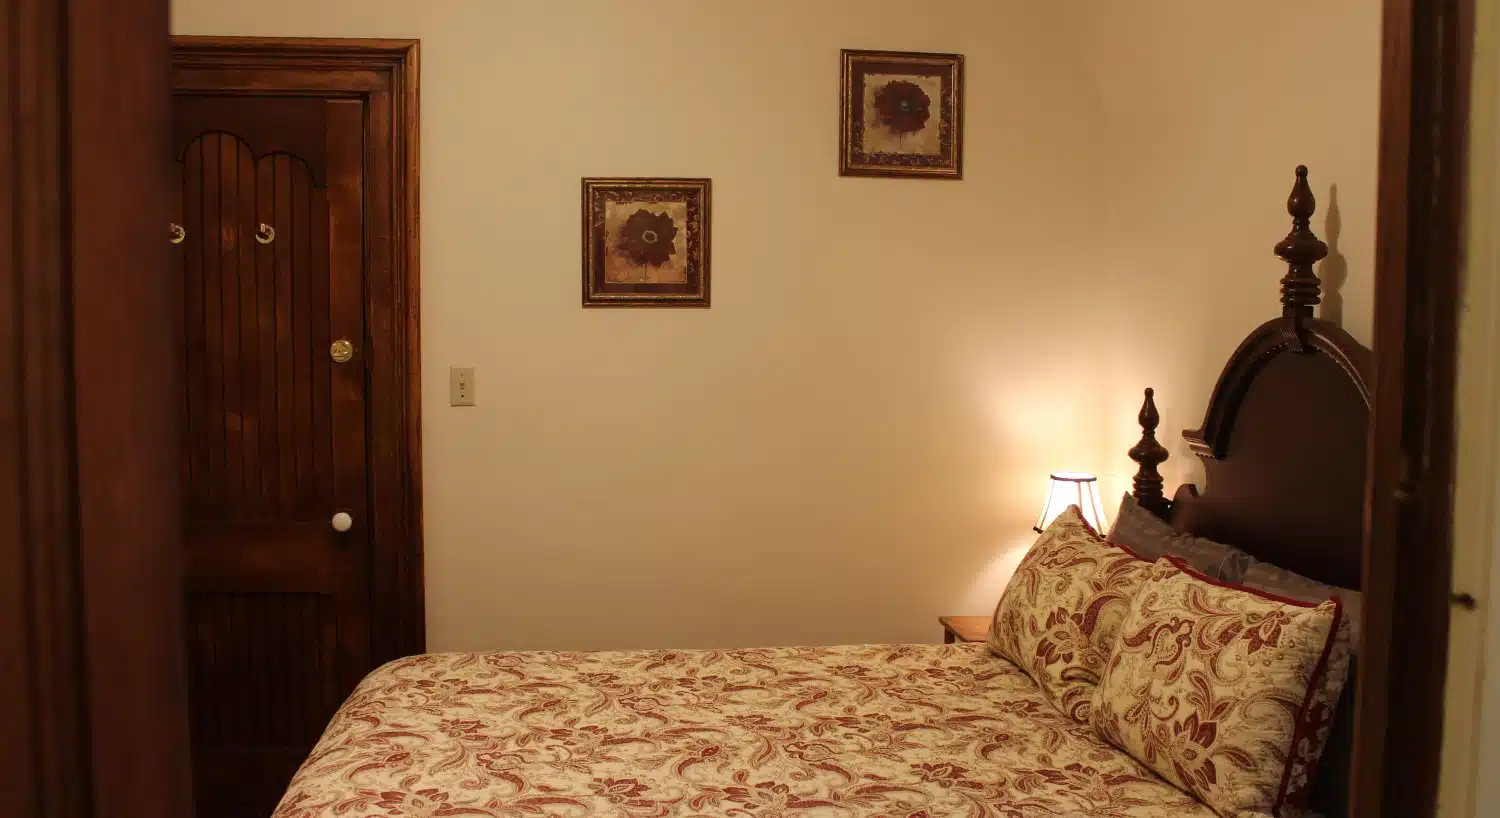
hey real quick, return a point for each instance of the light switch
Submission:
(461, 386)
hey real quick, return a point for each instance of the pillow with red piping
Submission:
(1226, 691)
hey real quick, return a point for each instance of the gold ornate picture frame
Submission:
(646, 242)
(901, 114)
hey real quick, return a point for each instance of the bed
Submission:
(908, 730)
(871, 730)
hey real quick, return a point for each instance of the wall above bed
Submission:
(1208, 111)
(857, 436)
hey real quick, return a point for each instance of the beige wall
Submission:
(1209, 108)
(854, 438)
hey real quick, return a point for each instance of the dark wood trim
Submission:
(385, 73)
(43, 723)
(1408, 549)
(124, 335)
(93, 705)
(289, 82)
(346, 53)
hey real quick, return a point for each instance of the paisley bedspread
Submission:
(872, 730)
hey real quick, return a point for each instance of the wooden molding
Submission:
(1425, 66)
(295, 52)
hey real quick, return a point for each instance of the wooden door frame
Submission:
(386, 73)
(1424, 110)
(93, 701)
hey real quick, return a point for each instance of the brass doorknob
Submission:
(342, 522)
(341, 351)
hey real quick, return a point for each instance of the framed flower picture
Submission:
(645, 242)
(902, 115)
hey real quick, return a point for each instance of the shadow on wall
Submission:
(1334, 271)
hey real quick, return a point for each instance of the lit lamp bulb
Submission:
(1070, 488)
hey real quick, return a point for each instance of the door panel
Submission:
(274, 433)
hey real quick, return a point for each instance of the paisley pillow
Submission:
(1061, 612)
(1226, 691)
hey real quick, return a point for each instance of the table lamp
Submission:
(1068, 488)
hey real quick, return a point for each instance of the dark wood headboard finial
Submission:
(1301, 249)
(1148, 454)
(1283, 441)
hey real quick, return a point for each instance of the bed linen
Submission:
(874, 730)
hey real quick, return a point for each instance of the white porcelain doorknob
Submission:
(342, 522)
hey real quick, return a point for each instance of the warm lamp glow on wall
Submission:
(1071, 488)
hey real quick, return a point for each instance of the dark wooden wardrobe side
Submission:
(1424, 122)
(92, 700)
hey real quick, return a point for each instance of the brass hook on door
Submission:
(177, 233)
(266, 234)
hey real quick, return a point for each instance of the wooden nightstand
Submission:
(964, 628)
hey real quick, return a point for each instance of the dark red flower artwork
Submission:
(902, 106)
(646, 243)
(647, 238)
(901, 114)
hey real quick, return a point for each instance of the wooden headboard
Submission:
(1283, 442)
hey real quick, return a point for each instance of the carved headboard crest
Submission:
(1283, 439)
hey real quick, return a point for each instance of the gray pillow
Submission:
(1279, 581)
(1151, 537)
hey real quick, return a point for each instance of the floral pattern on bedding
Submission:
(878, 730)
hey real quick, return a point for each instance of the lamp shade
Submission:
(1068, 488)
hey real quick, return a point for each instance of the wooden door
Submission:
(268, 236)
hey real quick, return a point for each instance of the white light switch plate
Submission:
(461, 386)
